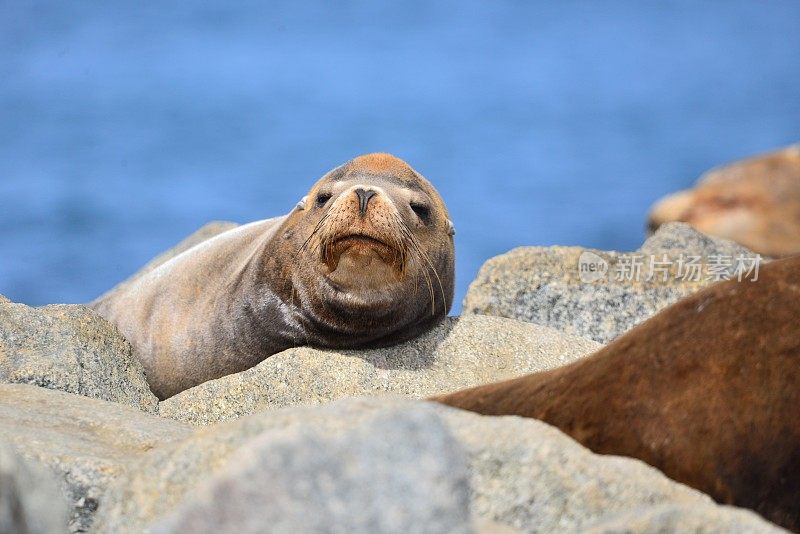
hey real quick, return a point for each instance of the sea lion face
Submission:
(378, 243)
(755, 202)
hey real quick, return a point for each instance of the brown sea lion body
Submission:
(366, 259)
(755, 202)
(707, 391)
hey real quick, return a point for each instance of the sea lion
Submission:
(365, 259)
(707, 391)
(755, 202)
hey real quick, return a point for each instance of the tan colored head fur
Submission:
(755, 202)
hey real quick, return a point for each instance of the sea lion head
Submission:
(755, 202)
(376, 246)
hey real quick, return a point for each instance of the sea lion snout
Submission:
(673, 208)
(363, 226)
(652, 226)
(363, 199)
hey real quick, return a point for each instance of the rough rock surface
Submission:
(705, 391)
(523, 473)
(458, 353)
(205, 232)
(31, 500)
(544, 285)
(88, 443)
(4, 300)
(399, 472)
(70, 348)
(684, 518)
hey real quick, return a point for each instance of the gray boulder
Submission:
(523, 473)
(70, 348)
(684, 518)
(400, 472)
(600, 295)
(31, 500)
(87, 443)
(458, 353)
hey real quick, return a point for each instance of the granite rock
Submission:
(458, 353)
(600, 295)
(87, 443)
(685, 518)
(401, 471)
(523, 473)
(70, 348)
(31, 500)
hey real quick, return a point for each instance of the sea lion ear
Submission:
(302, 204)
(451, 229)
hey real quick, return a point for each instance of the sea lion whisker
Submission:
(435, 273)
(314, 231)
(427, 278)
(415, 244)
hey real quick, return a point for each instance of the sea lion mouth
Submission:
(362, 249)
(359, 239)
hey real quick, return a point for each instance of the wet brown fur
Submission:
(707, 391)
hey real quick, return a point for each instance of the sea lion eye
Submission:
(422, 211)
(322, 198)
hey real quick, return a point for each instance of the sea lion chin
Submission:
(359, 263)
(366, 258)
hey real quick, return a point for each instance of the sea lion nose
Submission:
(652, 226)
(363, 199)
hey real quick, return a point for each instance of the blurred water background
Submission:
(124, 126)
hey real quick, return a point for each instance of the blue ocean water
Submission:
(124, 126)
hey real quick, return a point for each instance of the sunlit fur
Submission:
(755, 202)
